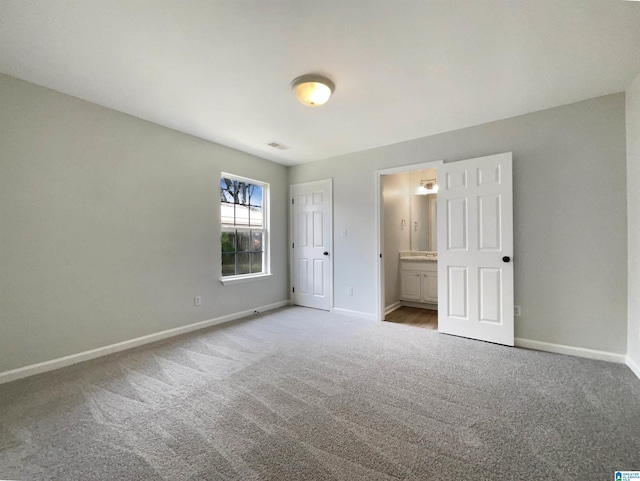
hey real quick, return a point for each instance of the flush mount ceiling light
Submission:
(313, 90)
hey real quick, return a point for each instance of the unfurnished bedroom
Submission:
(330, 240)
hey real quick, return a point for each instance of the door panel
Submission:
(490, 290)
(311, 212)
(303, 276)
(488, 175)
(318, 231)
(489, 222)
(458, 301)
(475, 232)
(318, 277)
(456, 179)
(302, 230)
(457, 224)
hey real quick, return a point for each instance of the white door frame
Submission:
(433, 164)
(291, 253)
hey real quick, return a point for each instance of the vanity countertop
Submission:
(418, 256)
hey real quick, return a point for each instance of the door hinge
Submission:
(293, 289)
(292, 202)
(293, 245)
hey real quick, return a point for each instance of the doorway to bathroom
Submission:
(408, 244)
(473, 271)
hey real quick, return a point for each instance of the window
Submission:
(244, 226)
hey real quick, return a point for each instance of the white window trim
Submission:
(230, 280)
(266, 230)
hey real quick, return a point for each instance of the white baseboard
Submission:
(358, 314)
(420, 305)
(633, 366)
(41, 367)
(392, 307)
(571, 350)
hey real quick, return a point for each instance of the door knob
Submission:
(326, 253)
(506, 259)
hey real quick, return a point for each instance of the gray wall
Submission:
(109, 227)
(633, 214)
(570, 228)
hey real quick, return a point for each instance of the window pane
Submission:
(227, 203)
(256, 262)
(243, 241)
(228, 242)
(241, 203)
(255, 205)
(256, 242)
(243, 263)
(227, 213)
(255, 213)
(228, 264)
(242, 215)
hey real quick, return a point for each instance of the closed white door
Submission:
(475, 249)
(311, 214)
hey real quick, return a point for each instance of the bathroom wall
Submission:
(395, 195)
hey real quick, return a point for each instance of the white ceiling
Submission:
(403, 69)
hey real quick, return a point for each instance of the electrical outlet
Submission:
(197, 301)
(344, 232)
(350, 291)
(517, 311)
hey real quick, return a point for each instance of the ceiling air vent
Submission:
(278, 145)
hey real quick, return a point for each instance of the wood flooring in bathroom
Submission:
(414, 316)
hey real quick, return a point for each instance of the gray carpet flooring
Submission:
(300, 394)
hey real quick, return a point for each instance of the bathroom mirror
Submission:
(423, 222)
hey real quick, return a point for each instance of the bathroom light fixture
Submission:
(428, 186)
(312, 90)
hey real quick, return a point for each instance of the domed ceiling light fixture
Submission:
(312, 90)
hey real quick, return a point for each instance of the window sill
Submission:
(230, 280)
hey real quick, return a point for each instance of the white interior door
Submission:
(475, 248)
(311, 214)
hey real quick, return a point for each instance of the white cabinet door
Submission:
(475, 248)
(430, 287)
(410, 286)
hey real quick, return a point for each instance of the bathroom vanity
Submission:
(419, 277)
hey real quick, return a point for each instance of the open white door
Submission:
(475, 248)
(311, 222)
